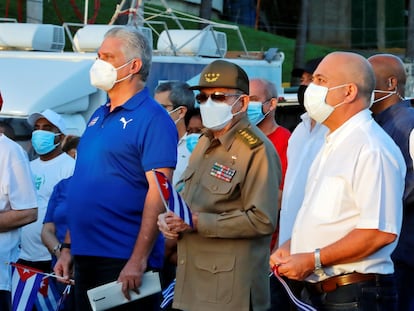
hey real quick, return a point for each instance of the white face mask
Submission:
(103, 75)
(216, 116)
(389, 94)
(174, 110)
(315, 104)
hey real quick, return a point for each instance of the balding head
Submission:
(346, 67)
(389, 73)
(350, 81)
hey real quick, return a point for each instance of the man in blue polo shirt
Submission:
(113, 196)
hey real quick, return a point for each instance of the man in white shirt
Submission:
(350, 218)
(18, 207)
(48, 169)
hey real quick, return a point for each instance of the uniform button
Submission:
(181, 261)
(214, 268)
(215, 187)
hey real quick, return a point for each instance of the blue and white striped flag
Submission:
(25, 285)
(172, 199)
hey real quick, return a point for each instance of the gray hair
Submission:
(135, 45)
(269, 87)
(180, 93)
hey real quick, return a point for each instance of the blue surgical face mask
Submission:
(192, 140)
(255, 112)
(43, 142)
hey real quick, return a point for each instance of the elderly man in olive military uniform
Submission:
(230, 187)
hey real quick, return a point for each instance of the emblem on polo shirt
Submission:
(222, 172)
(124, 122)
(211, 77)
(93, 121)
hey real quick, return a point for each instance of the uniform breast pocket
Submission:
(217, 187)
(216, 273)
(329, 199)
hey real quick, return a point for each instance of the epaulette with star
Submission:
(249, 138)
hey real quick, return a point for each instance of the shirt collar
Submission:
(134, 101)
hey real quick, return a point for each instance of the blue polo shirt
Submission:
(107, 192)
(57, 209)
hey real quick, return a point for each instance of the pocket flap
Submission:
(215, 263)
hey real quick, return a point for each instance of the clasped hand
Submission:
(171, 225)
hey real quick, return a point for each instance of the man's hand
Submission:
(63, 267)
(171, 225)
(131, 277)
(295, 267)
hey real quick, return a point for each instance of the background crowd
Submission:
(303, 204)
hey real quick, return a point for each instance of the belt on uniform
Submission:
(332, 283)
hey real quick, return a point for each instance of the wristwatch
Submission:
(318, 265)
(57, 248)
(65, 245)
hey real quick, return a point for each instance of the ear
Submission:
(136, 66)
(60, 138)
(183, 111)
(272, 104)
(244, 100)
(392, 82)
(352, 92)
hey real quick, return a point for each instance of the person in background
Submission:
(55, 224)
(305, 75)
(48, 169)
(353, 195)
(113, 195)
(303, 146)
(177, 98)
(18, 207)
(229, 185)
(396, 116)
(70, 145)
(261, 111)
(7, 130)
(194, 126)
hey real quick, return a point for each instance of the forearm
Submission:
(235, 224)
(149, 232)
(355, 246)
(12, 219)
(49, 238)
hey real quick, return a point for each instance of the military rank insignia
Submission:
(249, 138)
(222, 172)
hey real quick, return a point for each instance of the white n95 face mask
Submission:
(315, 104)
(103, 75)
(216, 116)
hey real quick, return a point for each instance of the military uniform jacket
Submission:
(233, 184)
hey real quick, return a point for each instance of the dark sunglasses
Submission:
(216, 96)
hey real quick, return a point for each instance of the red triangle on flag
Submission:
(163, 183)
(25, 273)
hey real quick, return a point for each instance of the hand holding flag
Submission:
(172, 199)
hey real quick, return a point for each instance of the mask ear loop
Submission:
(265, 114)
(238, 112)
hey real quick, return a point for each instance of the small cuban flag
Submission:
(172, 199)
(25, 285)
